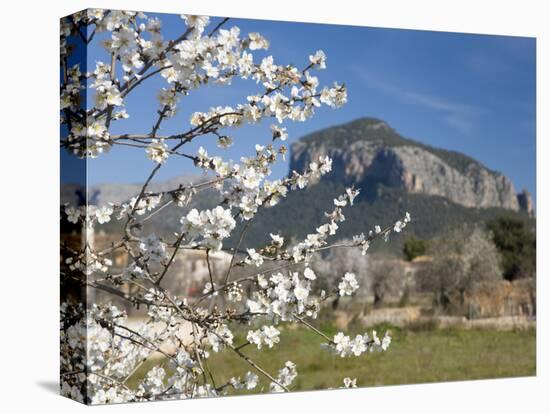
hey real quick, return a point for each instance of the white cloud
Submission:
(457, 115)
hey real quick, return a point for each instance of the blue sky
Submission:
(470, 93)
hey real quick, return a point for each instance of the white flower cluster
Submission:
(168, 99)
(348, 286)
(344, 346)
(247, 187)
(249, 382)
(286, 376)
(298, 105)
(153, 383)
(153, 249)
(89, 214)
(267, 335)
(314, 241)
(363, 241)
(89, 345)
(109, 351)
(139, 206)
(211, 226)
(107, 94)
(219, 337)
(89, 140)
(350, 383)
(285, 296)
(88, 262)
(74, 214)
(400, 224)
(157, 151)
(254, 258)
(319, 58)
(234, 292)
(192, 61)
(71, 89)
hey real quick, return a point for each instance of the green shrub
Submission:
(414, 247)
(516, 244)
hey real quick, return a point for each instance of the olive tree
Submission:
(460, 260)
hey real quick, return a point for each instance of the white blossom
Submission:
(319, 58)
(350, 383)
(153, 249)
(103, 214)
(254, 257)
(73, 214)
(257, 41)
(348, 285)
(286, 376)
(251, 380)
(309, 274)
(344, 346)
(279, 133)
(219, 337)
(157, 151)
(277, 240)
(267, 335)
(212, 225)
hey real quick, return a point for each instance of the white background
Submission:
(30, 191)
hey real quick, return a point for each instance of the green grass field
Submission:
(416, 356)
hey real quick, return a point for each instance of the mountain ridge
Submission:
(368, 152)
(398, 140)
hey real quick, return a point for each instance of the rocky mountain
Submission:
(368, 152)
(441, 189)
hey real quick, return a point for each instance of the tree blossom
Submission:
(251, 380)
(348, 285)
(319, 58)
(344, 346)
(254, 257)
(309, 274)
(212, 225)
(267, 335)
(286, 376)
(257, 41)
(103, 214)
(157, 151)
(219, 337)
(153, 249)
(277, 240)
(73, 214)
(350, 383)
(279, 133)
(100, 350)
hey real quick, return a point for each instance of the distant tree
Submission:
(384, 277)
(461, 259)
(414, 247)
(517, 245)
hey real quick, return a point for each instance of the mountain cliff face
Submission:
(368, 152)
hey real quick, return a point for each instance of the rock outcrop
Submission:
(368, 151)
